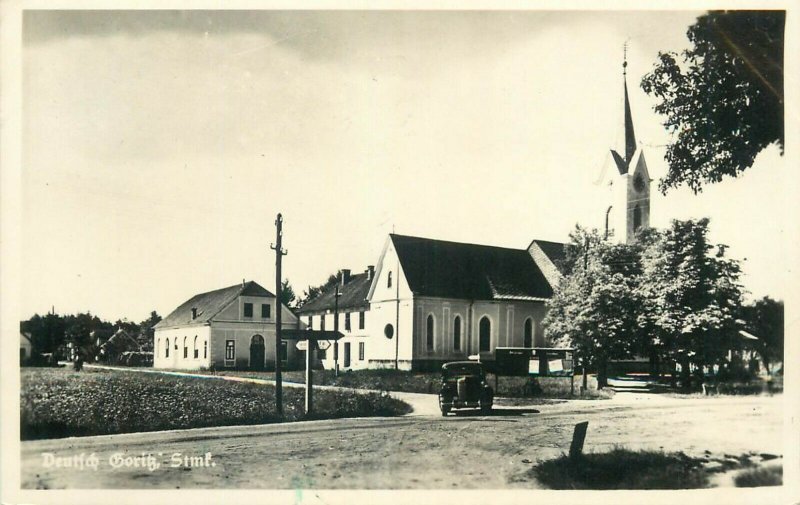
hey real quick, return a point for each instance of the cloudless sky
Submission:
(160, 145)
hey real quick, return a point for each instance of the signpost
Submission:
(308, 341)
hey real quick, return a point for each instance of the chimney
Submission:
(370, 272)
(194, 312)
(345, 276)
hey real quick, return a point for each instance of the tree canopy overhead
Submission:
(723, 100)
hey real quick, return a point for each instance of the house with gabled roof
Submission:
(233, 327)
(348, 299)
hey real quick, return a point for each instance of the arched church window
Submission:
(389, 280)
(457, 333)
(528, 337)
(429, 333)
(485, 333)
(637, 218)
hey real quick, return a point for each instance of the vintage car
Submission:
(464, 386)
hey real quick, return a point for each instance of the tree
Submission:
(690, 297)
(314, 291)
(724, 101)
(594, 309)
(288, 297)
(764, 319)
(146, 331)
(46, 332)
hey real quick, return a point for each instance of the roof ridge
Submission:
(223, 306)
(487, 246)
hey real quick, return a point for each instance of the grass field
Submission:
(57, 402)
(429, 382)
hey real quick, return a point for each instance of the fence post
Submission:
(578, 436)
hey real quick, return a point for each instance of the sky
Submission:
(158, 146)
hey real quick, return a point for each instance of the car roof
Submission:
(462, 364)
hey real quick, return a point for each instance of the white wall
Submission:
(507, 320)
(176, 338)
(229, 324)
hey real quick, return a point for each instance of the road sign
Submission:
(323, 344)
(302, 345)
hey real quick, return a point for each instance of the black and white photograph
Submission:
(397, 253)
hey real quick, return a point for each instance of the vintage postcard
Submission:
(345, 253)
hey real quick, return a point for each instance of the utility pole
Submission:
(588, 280)
(312, 345)
(336, 296)
(279, 253)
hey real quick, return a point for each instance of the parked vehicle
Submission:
(464, 386)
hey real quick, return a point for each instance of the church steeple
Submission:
(627, 208)
(623, 163)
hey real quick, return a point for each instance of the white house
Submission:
(351, 351)
(233, 327)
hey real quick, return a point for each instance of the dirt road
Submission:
(422, 451)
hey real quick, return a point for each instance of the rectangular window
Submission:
(248, 310)
(266, 310)
(322, 354)
(230, 350)
(284, 350)
(361, 320)
(347, 321)
(361, 351)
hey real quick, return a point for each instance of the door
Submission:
(257, 353)
(347, 355)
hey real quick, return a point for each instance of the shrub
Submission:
(769, 476)
(623, 469)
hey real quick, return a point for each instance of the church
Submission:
(430, 301)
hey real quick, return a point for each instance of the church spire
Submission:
(630, 137)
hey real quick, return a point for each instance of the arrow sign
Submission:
(302, 345)
(323, 344)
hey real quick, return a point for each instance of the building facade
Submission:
(349, 300)
(229, 328)
(432, 301)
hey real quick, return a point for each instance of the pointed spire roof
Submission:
(623, 163)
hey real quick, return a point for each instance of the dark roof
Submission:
(469, 271)
(210, 304)
(554, 250)
(352, 295)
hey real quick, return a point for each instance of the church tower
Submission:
(628, 209)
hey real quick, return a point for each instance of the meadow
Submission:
(59, 402)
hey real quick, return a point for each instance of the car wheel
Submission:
(442, 407)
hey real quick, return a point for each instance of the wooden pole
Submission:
(309, 349)
(336, 296)
(279, 253)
